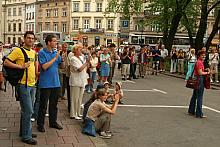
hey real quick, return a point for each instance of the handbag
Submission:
(207, 83)
(193, 81)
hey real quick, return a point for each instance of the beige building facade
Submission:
(14, 21)
(90, 25)
(1, 22)
(53, 16)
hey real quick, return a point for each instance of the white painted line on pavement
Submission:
(160, 91)
(206, 107)
(127, 81)
(153, 106)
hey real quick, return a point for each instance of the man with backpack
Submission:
(49, 83)
(24, 59)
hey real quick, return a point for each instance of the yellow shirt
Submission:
(17, 56)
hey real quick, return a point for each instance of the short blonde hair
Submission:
(76, 46)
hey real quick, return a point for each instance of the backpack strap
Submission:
(25, 61)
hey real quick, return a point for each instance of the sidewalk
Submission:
(183, 77)
(70, 136)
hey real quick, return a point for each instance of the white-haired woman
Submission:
(78, 80)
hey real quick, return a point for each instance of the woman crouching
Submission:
(100, 113)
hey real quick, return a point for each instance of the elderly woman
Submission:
(77, 81)
(197, 97)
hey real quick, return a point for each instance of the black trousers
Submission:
(133, 70)
(51, 94)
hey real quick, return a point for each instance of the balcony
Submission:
(92, 30)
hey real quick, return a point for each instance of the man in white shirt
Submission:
(164, 54)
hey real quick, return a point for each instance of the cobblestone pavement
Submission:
(70, 136)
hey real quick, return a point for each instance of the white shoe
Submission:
(80, 115)
(211, 81)
(46, 114)
(78, 118)
(217, 81)
(104, 135)
(32, 119)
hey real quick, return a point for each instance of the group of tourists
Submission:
(58, 71)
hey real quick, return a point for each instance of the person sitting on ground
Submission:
(91, 100)
(100, 113)
(118, 90)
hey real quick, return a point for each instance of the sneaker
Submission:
(32, 119)
(104, 135)
(109, 133)
(211, 80)
(217, 81)
(46, 114)
(30, 141)
(78, 118)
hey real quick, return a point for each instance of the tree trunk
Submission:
(173, 29)
(191, 42)
(214, 31)
(202, 26)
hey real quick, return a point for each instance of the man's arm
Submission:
(46, 65)
(10, 64)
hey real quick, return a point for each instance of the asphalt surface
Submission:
(150, 118)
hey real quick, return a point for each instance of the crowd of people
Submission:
(60, 68)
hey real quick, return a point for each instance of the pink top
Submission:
(199, 65)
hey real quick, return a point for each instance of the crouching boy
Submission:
(100, 113)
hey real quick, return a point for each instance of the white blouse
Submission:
(77, 78)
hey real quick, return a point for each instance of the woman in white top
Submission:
(1, 63)
(78, 80)
(191, 62)
(93, 64)
(213, 61)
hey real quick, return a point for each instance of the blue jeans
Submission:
(27, 97)
(196, 100)
(93, 78)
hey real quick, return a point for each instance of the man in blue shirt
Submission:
(49, 83)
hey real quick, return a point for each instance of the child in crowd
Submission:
(118, 90)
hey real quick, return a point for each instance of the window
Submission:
(9, 27)
(9, 11)
(47, 26)
(75, 7)
(19, 27)
(98, 24)
(14, 27)
(75, 24)
(64, 12)
(64, 29)
(40, 27)
(110, 24)
(55, 12)
(14, 11)
(99, 7)
(20, 12)
(26, 27)
(14, 40)
(87, 7)
(29, 16)
(86, 24)
(47, 13)
(9, 40)
(32, 15)
(32, 27)
(55, 26)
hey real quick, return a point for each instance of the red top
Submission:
(199, 65)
